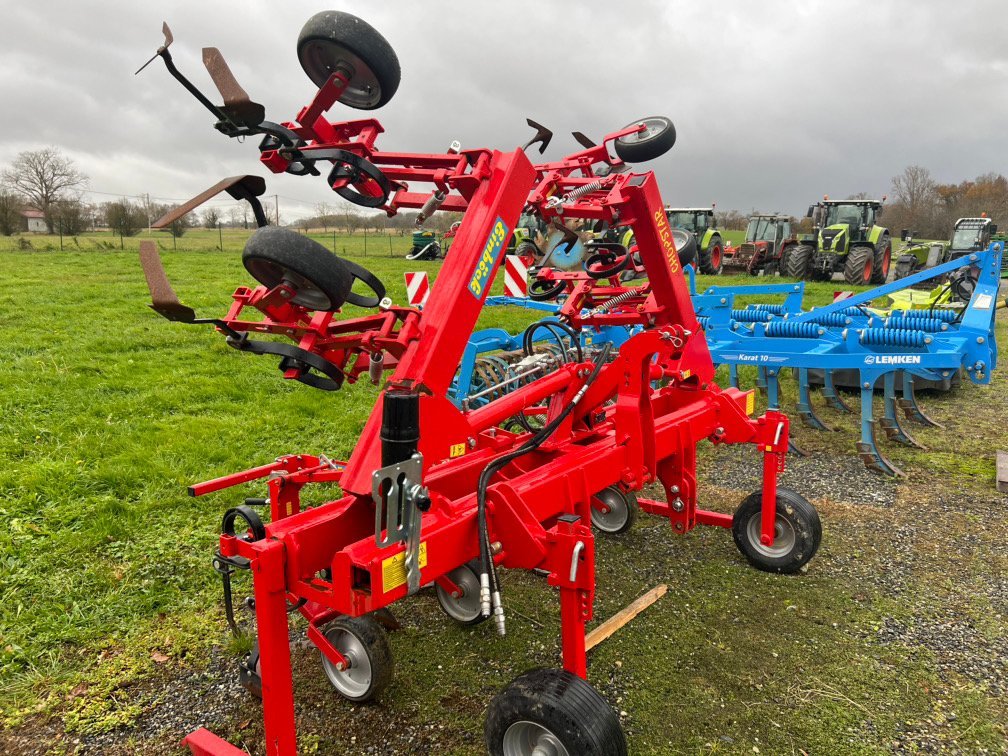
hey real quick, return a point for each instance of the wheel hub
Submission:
(527, 738)
(784, 536)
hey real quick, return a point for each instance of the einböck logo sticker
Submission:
(492, 250)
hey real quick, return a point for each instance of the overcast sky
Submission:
(775, 103)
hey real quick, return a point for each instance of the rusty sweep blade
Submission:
(239, 187)
(168, 39)
(237, 105)
(164, 300)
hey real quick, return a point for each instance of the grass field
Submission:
(112, 639)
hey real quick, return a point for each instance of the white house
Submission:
(33, 221)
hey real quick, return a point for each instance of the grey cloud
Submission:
(775, 103)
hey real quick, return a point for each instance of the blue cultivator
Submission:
(846, 335)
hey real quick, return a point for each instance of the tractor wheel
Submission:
(785, 253)
(711, 260)
(797, 263)
(464, 608)
(613, 511)
(686, 246)
(906, 265)
(364, 643)
(548, 711)
(528, 249)
(882, 259)
(320, 280)
(655, 140)
(332, 40)
(859, 265)
(797, 532)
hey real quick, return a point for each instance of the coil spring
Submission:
(776, 309)
(849, 311)
(704, 321)
(893, 337)
(946, 315)
(832, 319)
(782, 328)
(930, 325)
(750, 315)
(581, 191)
(617, 300)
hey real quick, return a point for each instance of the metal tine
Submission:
(833, 399)
(805, 408)
(910, 407)
(775, 398)
(868, 447)
(890, 419)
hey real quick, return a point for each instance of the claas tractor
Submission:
(701, 223)
(769, 240)
(845, 239)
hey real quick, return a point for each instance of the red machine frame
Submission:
(325, 559)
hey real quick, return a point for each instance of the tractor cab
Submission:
(694, 219)
(768, 228)
(970, 235)
(851, 218)
(768, 239)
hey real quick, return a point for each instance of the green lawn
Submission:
(109, 412)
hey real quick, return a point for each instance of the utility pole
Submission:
(148, 214)
(276, 202)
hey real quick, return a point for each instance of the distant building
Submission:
(33, 221)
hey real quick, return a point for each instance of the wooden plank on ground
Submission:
(623, 616)
(1002, 471)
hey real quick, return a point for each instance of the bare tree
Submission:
(43, 177)
(235, 216)
(860, 196)
(324, 212)
(211, 217)
(916, 191)
(352, 221)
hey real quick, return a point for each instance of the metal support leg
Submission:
(890, 420)
(805, 408)
(868, 447)
(733, 375)
(910, 407)
(274, 650)
(829, 392)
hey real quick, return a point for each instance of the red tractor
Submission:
(768, 241)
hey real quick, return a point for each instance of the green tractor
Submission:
(968, 235)
(844, 240)
(701, 223)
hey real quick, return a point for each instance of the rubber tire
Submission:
(805, 521)
(797, 263)
(653, 146)
(473, 567)
(562, 702)
(858, 260)
(785, 253)
(528, 248)
(271, 250)
(906, 265)
(705, 257)
(686, 246)
(880, 268)
(375, 642)
(631, 505)
(360, 38)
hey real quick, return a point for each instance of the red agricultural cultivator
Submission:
(434, 495)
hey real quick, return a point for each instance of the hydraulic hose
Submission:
(489, 584)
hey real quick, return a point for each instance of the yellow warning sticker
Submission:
(686, 374)
(393, 569)
(456, 450)
(750, 403)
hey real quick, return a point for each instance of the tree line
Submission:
(48, 181)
